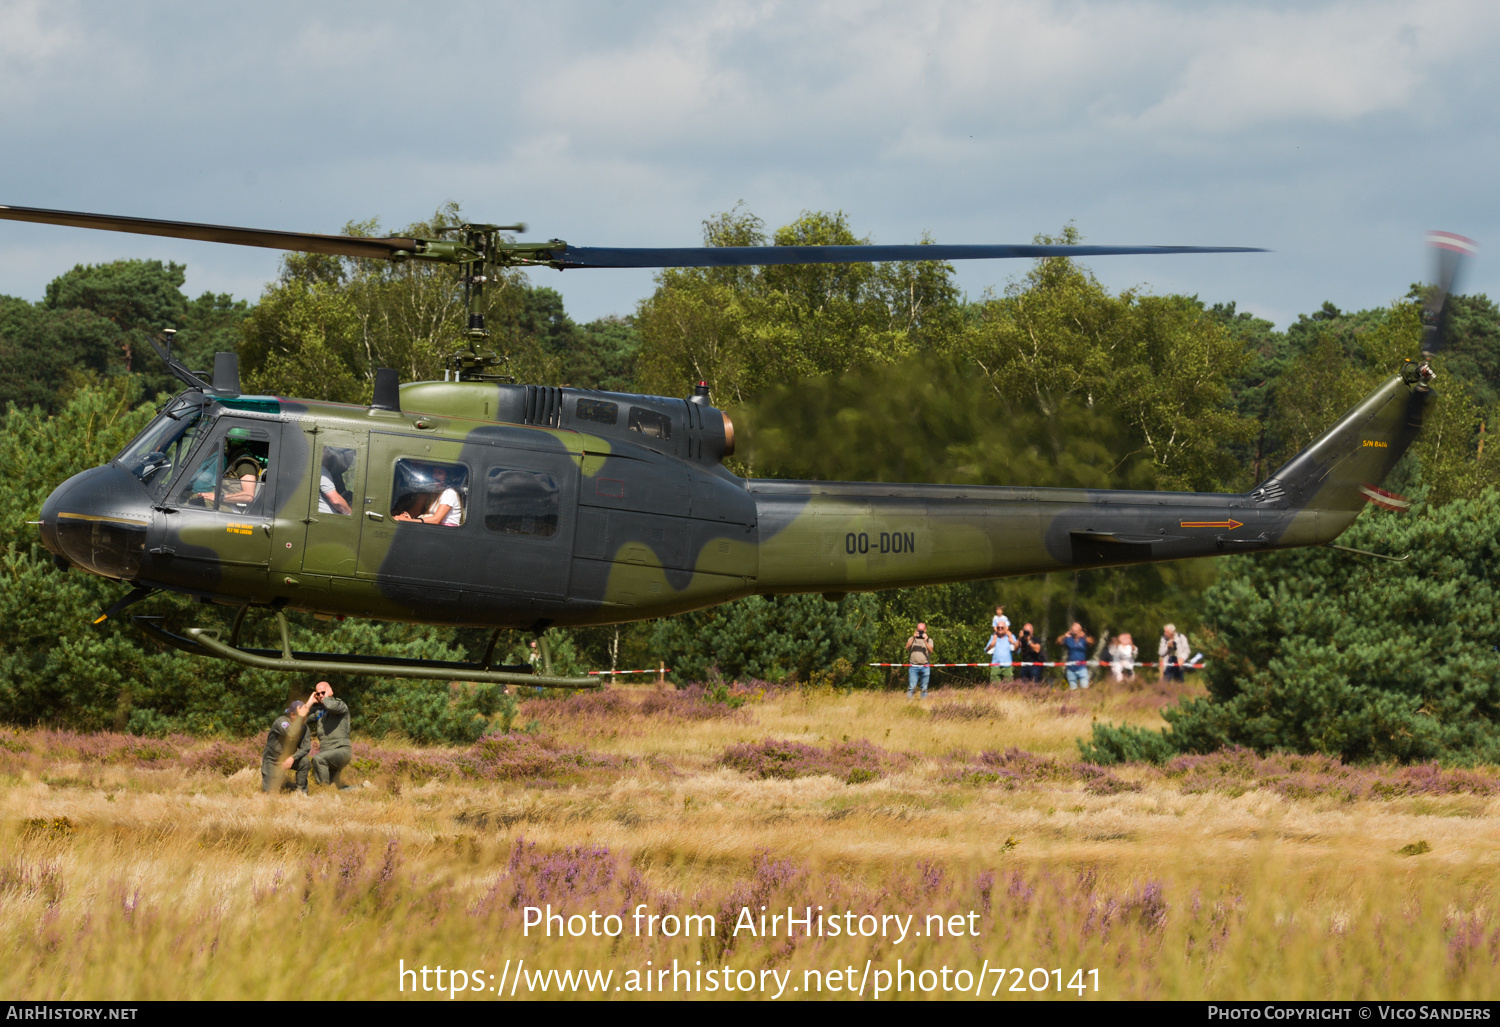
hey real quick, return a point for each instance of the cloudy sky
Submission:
(1331, 133)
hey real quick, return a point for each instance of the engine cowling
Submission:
(689, 429)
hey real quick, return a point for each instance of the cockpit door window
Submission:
(221, 508)
(232, 475)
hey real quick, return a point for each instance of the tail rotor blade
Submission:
(1450, 251)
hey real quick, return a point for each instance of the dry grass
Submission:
(127, 876)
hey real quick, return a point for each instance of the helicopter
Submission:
(478, 501)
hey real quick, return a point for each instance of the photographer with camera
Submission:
(919, 656)
(1075, 641)
(328, 718)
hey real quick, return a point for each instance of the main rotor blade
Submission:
(305, 242)
(745, 256)
(561, 255)
(1449, 251)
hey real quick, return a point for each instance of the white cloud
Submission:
(26, 35)
(1309, 127)
(1330, 65)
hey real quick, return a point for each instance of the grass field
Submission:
(137, 868)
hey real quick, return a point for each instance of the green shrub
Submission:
(1125, 743)
(1321, 651)
(772, 638)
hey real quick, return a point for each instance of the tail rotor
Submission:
(1450, 252)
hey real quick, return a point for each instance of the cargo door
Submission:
(335, 508)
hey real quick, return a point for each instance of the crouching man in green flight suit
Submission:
(329, 719)
(281, 742)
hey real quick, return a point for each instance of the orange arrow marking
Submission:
(1228, 525)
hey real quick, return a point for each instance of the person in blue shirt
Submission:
(1002, 644)
(1076, 643)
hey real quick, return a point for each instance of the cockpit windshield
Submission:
(159, 450)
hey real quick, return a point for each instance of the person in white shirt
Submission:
(1173, 651)
(446, 509)
(1122, 656)
(999, 621)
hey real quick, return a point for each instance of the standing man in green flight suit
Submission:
(281, 742)
(329, 718)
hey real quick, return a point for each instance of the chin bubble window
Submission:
(430, 493)
(521, 503)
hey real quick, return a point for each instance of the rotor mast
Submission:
(479, 249)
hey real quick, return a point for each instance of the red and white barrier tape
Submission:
(648, 670)
(1049, 663)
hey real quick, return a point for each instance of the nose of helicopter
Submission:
(97, 522)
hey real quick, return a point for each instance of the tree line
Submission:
(882, 372)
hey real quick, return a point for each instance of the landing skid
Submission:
(206, 642)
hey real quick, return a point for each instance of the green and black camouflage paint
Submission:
(653, 525)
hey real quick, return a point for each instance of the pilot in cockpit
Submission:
(244, 475)
(242, 482)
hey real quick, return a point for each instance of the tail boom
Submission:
(837, 537)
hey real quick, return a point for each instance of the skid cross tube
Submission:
(205, 642)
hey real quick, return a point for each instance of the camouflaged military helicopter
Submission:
(477, 501)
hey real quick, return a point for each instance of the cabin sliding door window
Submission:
(430, 492)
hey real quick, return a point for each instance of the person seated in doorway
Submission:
(446, 509)
(330, 500)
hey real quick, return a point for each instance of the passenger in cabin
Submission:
(336, 462)
(412, 506)
(446, 509)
